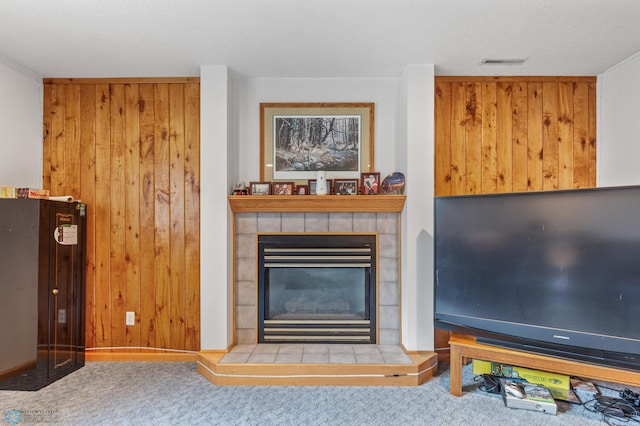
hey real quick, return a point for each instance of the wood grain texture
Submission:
(473, 143)
(489, 166)
(443, 139)
(192, 216)
(535, 125)
(537, 133)
(132, 211)
(458, 133)
(129, 148)
(504, 129)
(315, 203)
(520, 142)
(88, 196)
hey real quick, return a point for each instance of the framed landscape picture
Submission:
(299, 139)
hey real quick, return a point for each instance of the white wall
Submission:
(249, 93)
(619, 124)
(20, 128)
(403, 142)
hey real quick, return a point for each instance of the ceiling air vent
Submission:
(516, 61)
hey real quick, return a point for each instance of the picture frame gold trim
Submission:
(366, 111)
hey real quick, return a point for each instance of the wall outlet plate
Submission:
(131, 318)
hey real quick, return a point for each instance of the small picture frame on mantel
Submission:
(370, 183)
(260, 188)
(282, 188)
(302, 189)
(346, 186)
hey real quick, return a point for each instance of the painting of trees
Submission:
(312, 143)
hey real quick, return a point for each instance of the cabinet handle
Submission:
(55, 291)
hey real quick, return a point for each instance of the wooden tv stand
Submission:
(464, 347)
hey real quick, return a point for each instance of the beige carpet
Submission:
(135, 393)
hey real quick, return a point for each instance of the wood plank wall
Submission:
(130, 150)
(513, 134)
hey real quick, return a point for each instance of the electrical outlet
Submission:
(131, 318)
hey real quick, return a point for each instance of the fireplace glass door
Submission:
(316, 294)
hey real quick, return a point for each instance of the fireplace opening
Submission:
(316, 288)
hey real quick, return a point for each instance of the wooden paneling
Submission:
(513, 134)
(130, 149)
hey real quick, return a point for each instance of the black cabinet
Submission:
(42, 280)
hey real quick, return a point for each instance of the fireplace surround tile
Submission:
(388, 316)
(316, 222)
(246, 245)
(386, 224)
(269, 222)
(365, 222)
(388, 269)
(389, 336)
(341, 222)
(246, 335)
(246, 316)
(388, 245)
(246, 293)
(387, 293)
(294, 222)
(246, 269)
(247, 223)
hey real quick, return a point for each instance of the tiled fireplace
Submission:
(249, 224)
(379, 362)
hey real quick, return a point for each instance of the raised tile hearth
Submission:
(268, 353)
(268, 364)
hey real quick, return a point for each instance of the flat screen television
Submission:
(554, 272)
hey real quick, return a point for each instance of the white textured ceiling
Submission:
(316, 38)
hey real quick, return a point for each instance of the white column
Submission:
(216, 260)
(417, 100)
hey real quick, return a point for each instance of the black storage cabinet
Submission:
(42, 280)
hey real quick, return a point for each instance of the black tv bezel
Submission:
(606, 350)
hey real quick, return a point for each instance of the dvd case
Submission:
(528, 396)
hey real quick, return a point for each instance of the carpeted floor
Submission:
(136, 393)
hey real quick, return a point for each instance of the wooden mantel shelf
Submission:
(317, 203)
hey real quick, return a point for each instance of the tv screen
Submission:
(555, 272)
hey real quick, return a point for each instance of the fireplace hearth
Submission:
(317, 288)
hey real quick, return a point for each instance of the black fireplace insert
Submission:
(317, 288)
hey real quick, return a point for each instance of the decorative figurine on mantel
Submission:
(393, 184)
(240, 189)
